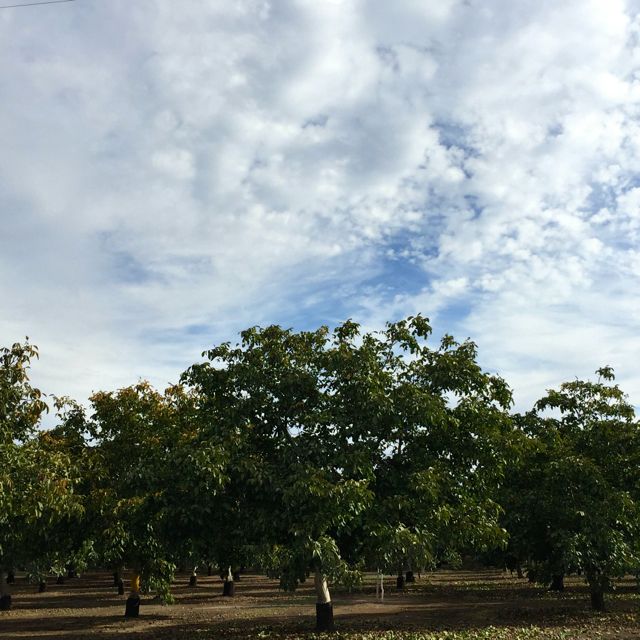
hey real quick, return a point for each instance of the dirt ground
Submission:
(89, 607)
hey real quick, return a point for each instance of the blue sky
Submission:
(173, 172)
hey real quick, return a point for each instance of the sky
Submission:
(174, 171)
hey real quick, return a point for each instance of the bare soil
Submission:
(89, 607)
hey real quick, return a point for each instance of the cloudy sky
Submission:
(173, 171)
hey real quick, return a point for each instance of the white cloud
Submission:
(173, 172)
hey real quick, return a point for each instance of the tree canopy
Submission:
(321, 453)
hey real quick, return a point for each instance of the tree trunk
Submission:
(42, 586)
(209, 570)
(519, 570)
(229, 587)
(400, 582)
(11, 577)
(557, 582)
(193, 580)
(380, 586)
(597, 584)
(410, 577)
(5, 597)
(60, 579)
(597, 600)
(116, 577)
(132, 606)
(324, 606)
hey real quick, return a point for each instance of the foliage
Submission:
(437, 474)
(21, 405)
(37, 480)
(325, 452)
(574, 498)
(153, 476)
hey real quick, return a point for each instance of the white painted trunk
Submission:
(195, 571)
(230, 575)
(380, 585)
(322, 588)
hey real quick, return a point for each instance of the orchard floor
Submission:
(452, 605)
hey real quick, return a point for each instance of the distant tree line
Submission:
(319, 455)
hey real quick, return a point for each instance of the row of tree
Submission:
(320, 454)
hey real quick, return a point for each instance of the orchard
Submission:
(318, 458)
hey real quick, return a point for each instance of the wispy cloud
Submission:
(173, 172)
